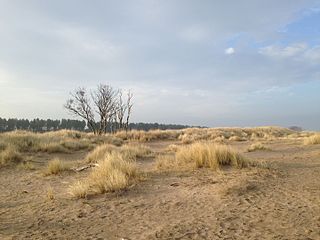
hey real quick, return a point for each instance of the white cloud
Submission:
(229, 51)
(284, 52)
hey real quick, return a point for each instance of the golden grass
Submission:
(256, 147)
(237, 139)
(312, 140)
(56, 166)
(50, 194)
(129, 152)
(172, 148)
(10, 156)
(133, 151)
(203, 155)
(51, 147)
(63, 141)
(145, 136)
(113, 173)
(99, 153)
(79, 189)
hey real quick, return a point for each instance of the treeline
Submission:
(42, 125)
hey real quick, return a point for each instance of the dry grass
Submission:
(237, 139)
(256, 147)
(10, 156)
(50, 194)
(51, 147)
(312, 140)
(56, 166)
(79, 189)
(99, 153)
(26, 166)
(63, 141)
(133, 151)
(113, 173)
(129, 152)
(172, 148)
(203, 155)
(146, 136)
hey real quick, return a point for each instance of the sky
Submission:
(209, 62)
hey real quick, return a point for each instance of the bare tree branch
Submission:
(80, 106)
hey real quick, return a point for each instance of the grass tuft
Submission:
(79, 189)
(115, 172)
(203, 155)
(257, 147)
(10, 156)
(312, 140)
(56, 166)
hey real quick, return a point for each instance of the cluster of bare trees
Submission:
(103, 108)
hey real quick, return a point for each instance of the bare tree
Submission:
(79, 105)
(120, 111)
(129, 108)
(108, 105)
(105, 100)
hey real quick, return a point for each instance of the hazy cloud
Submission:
(173, 54)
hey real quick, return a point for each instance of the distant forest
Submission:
(41, 125)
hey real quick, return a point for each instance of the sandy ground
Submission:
(281, 203)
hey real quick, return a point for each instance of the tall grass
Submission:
(63, 141)
(203, 155)
(10, 156)
(113, 173)
(312, 140)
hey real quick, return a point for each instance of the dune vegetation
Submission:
(203, 155)
(258, 146)
(112, 173)
(312, 140)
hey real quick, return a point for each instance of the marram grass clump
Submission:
(55, 167)
(113, 173)
(203, 155)
(257, 147)
(312, 140)
(10, 156)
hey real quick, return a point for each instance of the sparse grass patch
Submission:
(203, 155)
(76, 145)
(129, 152)
(165, 162)
(99, 153)
(50, 193)
(146, 136)
(237, 139)
(10, 156)
(51, 147)
(256, 147)
(172, 148)
(56, 166)
(26, 166)
(312, 140)
(79, 189)
(133, 151)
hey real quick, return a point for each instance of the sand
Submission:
(278, 203)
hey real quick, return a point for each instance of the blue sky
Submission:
(213, 63)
